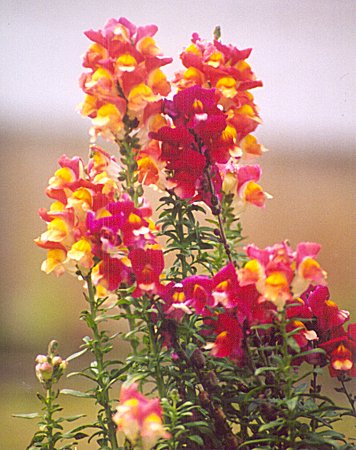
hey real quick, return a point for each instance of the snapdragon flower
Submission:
(139, 418)
(95, 229)
(124, 78)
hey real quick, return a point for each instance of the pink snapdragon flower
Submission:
(94, 228)
(139, 418)
(280, 274)
(242, 181)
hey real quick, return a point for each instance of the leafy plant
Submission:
(226, 344)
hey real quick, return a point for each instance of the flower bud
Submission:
(41, 359)
(44, 371)
(204, 399)
(212, 380)
(50, 368)
(198, 358)
(57, 361)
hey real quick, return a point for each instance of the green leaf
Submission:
(77, 354)
(258, 441)
(309, 352)
(265, 369)
(197, 424)
(78, 436)
(73, 418)
(264, 326)
(197, 439)
(292, 343)
(274, 424)
(75, 393)
(26, 416)
(292, 403)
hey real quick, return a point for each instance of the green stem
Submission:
(156, 353)
(49, 418)
(103, 398)
(180, 233)
(132, 326)
(216, 210)
(223, 430)
(314, 390)
(288, 379)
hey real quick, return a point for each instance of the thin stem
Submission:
(222, 428)
(103, 398)
(154, 348)
(132, 326)
(49, 418)
(314, 390)
(348, 395)
(288, 378)
(216, 210)
(180, 233)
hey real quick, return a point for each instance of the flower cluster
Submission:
(49, 368)
(139, 418)
(338, 343)
(208, 128)
(224, 68)
(91, 226)
(124, 81)
(274, 279)
(194, 153)
(280, 274)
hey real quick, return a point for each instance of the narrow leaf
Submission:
(75, 393)
(76, 355)
(26, 416)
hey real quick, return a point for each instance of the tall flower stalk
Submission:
(100, 344)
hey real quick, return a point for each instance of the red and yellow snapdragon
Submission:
(139, 418)
(93, 227)
(124, 79)
(208, 129)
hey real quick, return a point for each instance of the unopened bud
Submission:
(57, 360)
(44, 371)
(212, 380)
(198, 358)
(232, 441)
(204, 399)
(64, 364)
(214, 200)
(219, 414)
(242, 388)
(215, 210)
(41, 359)
(50, 368)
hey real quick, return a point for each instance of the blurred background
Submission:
(303, 52)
